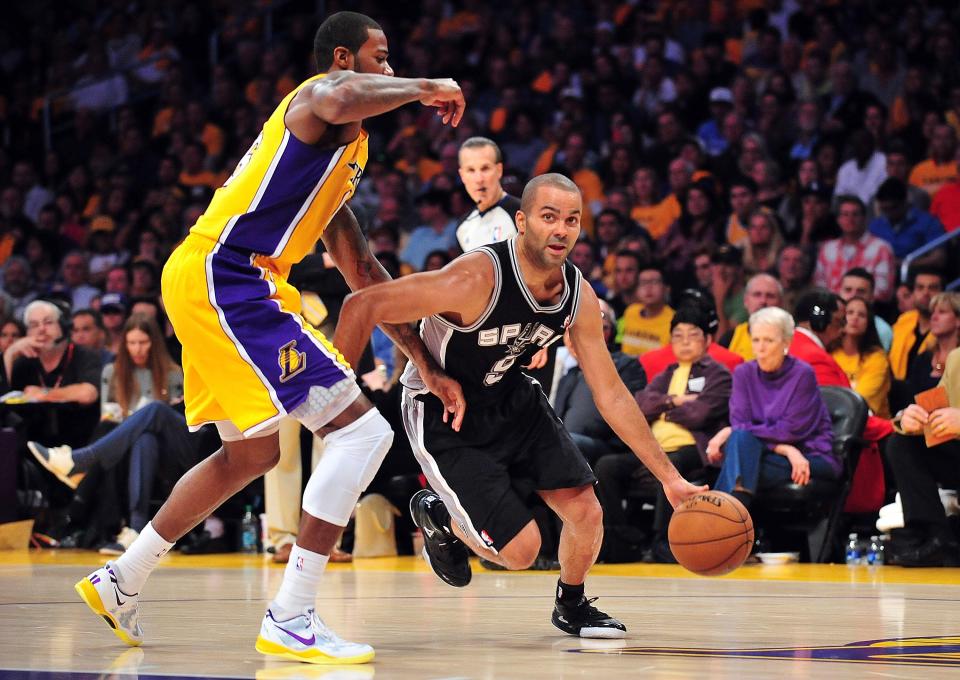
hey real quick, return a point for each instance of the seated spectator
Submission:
(906, 228)
(861, 356)
(646, 323)
(743, 202)
(858, 282)
(780, 430)
(941, 168)
(927, 367)
(87, 330)
(574, 403)
(626, 279)
(793, 273)
(686, 405)
(820, 318)
(763, 243)
(911, 331)
(919, 470)
(47, 367)
(436, 232)
(11, 330)
(649, 210)
(863, 174)
(727, 287)
(74, 281)
(584, 257)
(696, 226)
(855, 248)
(142, 375)
(762, 291)
(113, 311)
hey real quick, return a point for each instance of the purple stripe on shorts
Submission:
(258, 325)
(293, 179)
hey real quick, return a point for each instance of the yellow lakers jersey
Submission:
(283, 193)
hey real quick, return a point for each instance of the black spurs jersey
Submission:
(485, 357)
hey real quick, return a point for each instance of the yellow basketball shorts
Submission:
(248, 355)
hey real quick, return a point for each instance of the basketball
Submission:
(711, 533)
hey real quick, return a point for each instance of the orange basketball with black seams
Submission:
(711, 533)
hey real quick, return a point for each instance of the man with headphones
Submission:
(47, 367)
(820, 317)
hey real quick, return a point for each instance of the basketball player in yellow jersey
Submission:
(248, 356)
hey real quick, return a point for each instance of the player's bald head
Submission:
(552, 179)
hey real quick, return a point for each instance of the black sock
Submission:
(567, 594)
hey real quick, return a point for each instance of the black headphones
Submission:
(817, 308)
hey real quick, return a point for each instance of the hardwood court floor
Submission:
(201, 617)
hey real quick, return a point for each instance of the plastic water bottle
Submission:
(854, 556)
(875, 553)
(248, 532)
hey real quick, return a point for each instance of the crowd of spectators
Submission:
(754, 150)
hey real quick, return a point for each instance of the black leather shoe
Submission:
(933, 552)
(205, 544)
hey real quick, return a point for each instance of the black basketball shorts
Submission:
(504, 451)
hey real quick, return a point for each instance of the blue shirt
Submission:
(712, 138)
(917, 229)
(424, 240)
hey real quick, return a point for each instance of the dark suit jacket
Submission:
(575, 406)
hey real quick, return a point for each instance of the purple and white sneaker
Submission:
(307, 638)
(102, 592)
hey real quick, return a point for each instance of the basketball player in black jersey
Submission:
(482, 314)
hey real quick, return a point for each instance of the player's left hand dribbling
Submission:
(680, 490)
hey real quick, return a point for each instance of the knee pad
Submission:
(351, 457)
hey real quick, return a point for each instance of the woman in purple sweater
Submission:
(780, 429)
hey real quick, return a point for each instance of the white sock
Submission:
(298, 591)
(140, 559)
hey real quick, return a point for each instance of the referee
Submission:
(481, 167)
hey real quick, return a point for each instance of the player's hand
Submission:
(945, 422)
(447, 97)
(538, 360)
(913, 419)
(680, 490)
(450, 393)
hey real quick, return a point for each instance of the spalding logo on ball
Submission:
(711, 533)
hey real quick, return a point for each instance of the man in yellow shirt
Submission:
(763, 290)
(911, 329)
(941, 167)
(646, 323)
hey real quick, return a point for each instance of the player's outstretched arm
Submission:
(614, 401)
(462, 288)
(347, 97)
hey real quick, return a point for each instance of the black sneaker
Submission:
(586, 621)
(445, 553)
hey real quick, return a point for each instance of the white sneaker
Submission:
(307, 638)
(121, 611)
(58, 460)
(120, 543)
